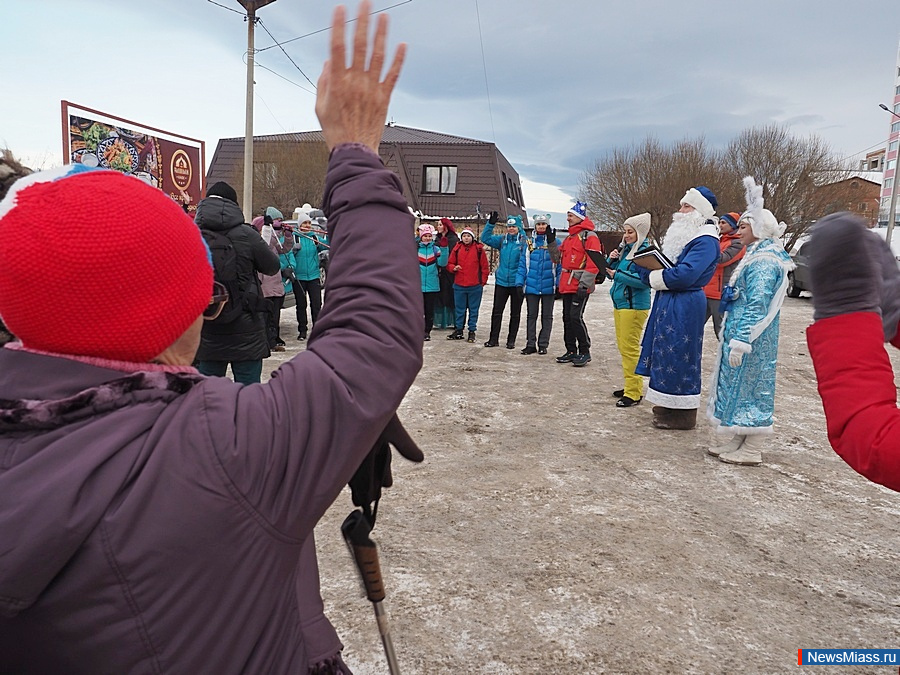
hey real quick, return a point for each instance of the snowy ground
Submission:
(548, 531)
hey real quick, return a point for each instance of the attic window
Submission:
(440, 179)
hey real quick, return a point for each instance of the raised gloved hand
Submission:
(845, 267)
(375, 471)
(495, 216)
(735, 358)
(551, 234)
(582, 293)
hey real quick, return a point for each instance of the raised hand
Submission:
(352, 103)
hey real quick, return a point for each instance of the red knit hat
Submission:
(124, 274)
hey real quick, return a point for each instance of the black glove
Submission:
(288, 273)
(837, 240)
(890, 290)
(520, 292)
(582, 293)
(267, 220)
(375, 471)
(551, 234)
(494, 217)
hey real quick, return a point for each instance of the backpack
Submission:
(225, 271)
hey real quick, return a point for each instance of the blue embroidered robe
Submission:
(673, 340)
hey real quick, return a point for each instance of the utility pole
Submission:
(251, 6)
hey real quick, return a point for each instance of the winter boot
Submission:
(675, 418)
(566, 358)
(581, 360)
(427, 337)
(455, 335)
(722, 445)
(471, 337)
(749, 454)
(529, 350)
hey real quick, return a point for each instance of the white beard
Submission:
(684, 227)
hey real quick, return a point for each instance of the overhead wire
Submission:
(228, 8)
(265, 28)
(322, 30)
(484, 67)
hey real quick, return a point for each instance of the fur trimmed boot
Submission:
(749, 454)
(722, 445)
(674, 418)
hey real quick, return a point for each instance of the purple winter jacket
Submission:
(154, 522)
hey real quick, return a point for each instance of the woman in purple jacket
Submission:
(153, 520)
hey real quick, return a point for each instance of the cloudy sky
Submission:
(555, 84)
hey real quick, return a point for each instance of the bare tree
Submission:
(792, 172)
(652, 177)
(649, 177)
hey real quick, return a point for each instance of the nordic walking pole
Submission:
(356, 530)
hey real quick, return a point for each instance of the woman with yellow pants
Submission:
(631, 302)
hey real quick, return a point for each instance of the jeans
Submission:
(575, 333)
(467, 297)
(245, 372)
(545, 304)
(501, 294)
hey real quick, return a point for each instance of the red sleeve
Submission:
(856, 383)
(452, 258)
(485, 268)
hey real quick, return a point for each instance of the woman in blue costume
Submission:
(742, 393)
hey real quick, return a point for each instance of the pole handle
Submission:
(356, 531)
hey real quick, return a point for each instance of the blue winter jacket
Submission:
(429, 257)
(627, 290)
(510, 247)
(537, 272)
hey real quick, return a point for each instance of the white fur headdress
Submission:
(762, 221)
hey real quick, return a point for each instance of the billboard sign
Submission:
(170, 162)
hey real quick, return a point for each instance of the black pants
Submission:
(273, 320)
(575, 333)
(501, 295)
(430, 300)
(544, 303)
(313, 288)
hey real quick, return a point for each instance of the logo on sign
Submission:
(180, 169)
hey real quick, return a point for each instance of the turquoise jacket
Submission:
(510, 247)
(627, 290)
(304, 256)
(429, 257)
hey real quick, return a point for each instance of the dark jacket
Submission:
(243, 339)
(162, 523)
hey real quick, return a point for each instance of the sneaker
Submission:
(618, 393)
(471, 337)
(580, 360)
(627, 402)
(542, 350)
(529, 350)
(455, 335)
(489, 343)
(302, 335)
(566, 358)
(427, 337)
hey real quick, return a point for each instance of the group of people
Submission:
(148, 525)
(733, 266)
(256, 264)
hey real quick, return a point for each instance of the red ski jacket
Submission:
(856, 383)
(474, 264)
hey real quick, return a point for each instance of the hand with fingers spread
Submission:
(352, 103)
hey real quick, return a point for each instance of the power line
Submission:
(228, 8)
(277, 121)
(276, 74)
(284, 52)
(322, 30)
(484, 67)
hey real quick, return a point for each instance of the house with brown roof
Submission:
(442, 175)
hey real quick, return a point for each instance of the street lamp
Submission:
(892, 209)
(251, 6)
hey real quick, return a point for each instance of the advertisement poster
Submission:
(170, 162)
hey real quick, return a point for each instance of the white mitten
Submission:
(735, 358)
